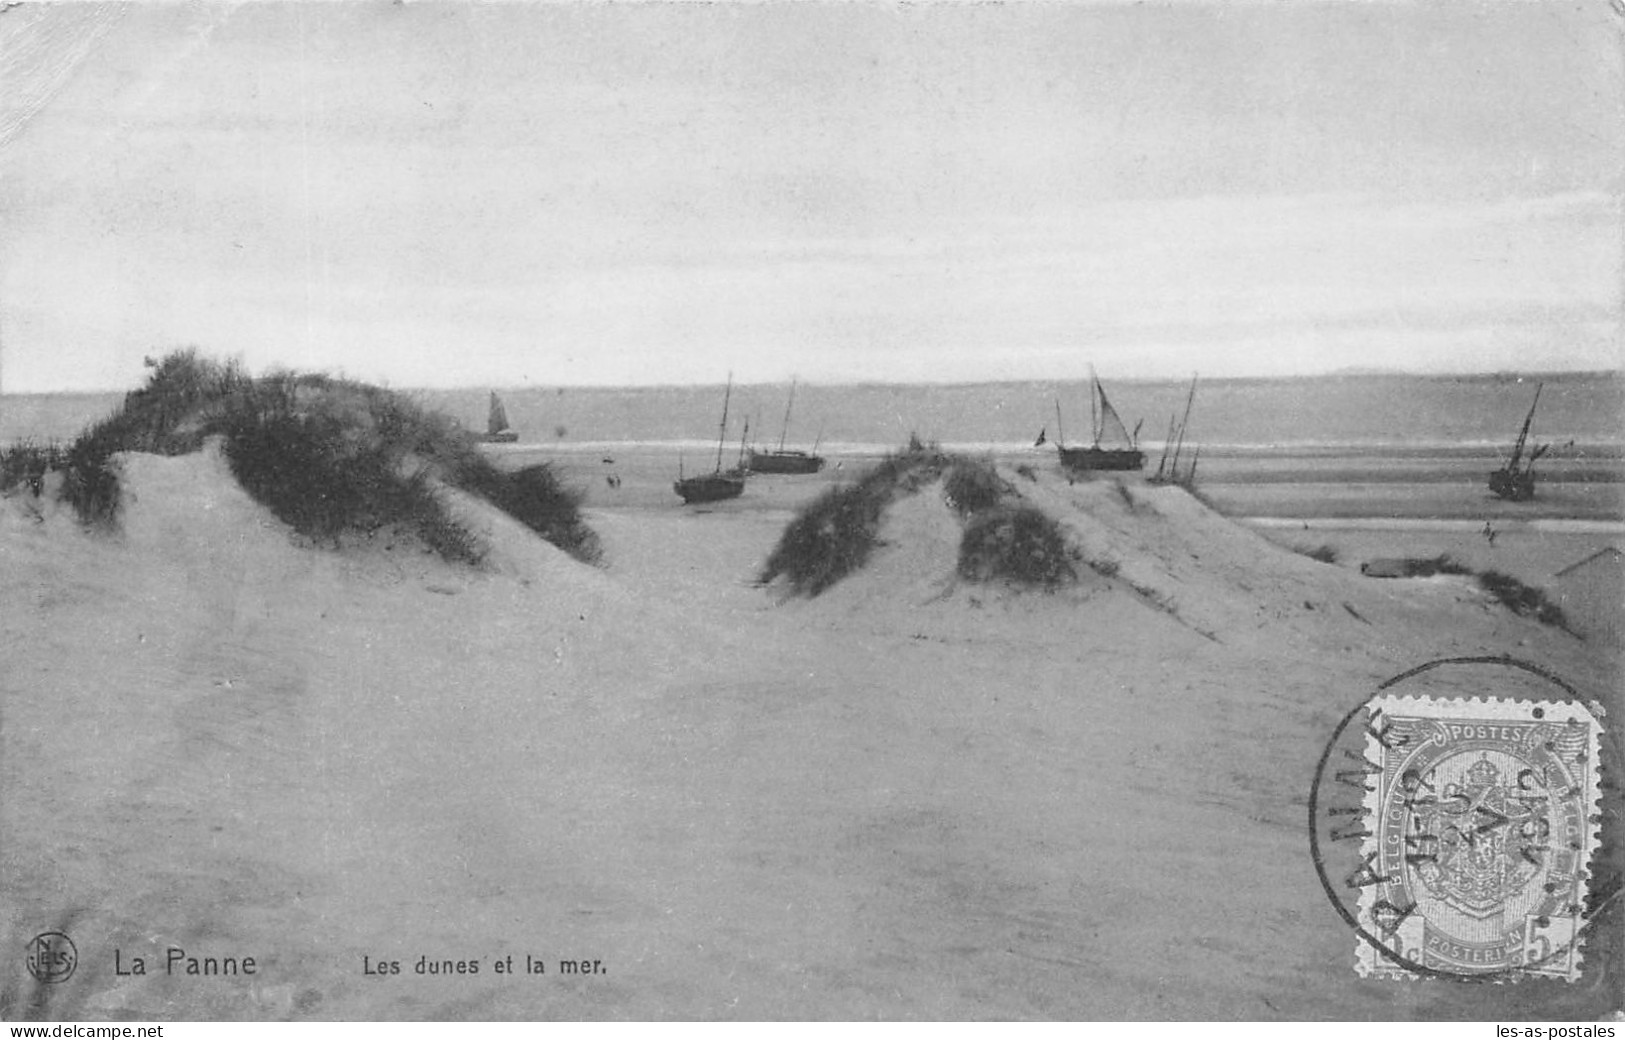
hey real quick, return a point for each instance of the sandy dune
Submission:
(910, 798)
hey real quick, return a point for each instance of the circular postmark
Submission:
(1455, 834)
(52, 957)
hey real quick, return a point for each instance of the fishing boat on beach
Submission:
(1515, 481)
(1104, 423)
(716, 485)
(497, 430)
(782, 460)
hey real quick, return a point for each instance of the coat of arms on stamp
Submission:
(1480, 824)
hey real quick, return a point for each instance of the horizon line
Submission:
(1509, 375)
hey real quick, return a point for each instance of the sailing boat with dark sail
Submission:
(716, 485)
(1516, 480)
(1106, 426)
(782, 460)
(497, 430)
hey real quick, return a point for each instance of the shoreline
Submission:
(1557, 526)
(1492, 452)
(1333, 488)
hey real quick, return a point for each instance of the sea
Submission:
(1349, 445)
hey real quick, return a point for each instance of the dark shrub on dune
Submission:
(1019, 544)
(326, 455)
(165, 417)
(315, 467)
(973, 486)
(831, 538)
(834, 535)
(431, 442)
(26, 463)
(1427, 567)
(169, 416)
(905, 472)
(427, 517)
(1523, 600)
(536, 498)
(90, 479)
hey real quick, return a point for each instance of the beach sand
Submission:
(910, 798)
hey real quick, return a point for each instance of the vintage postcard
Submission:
(789, 511)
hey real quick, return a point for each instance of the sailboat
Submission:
(1105, 423)
(716, 485)
(497, 430)
(1516, 480)
(782, 460)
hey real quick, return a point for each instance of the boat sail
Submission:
(497, 430)
(1106, 426)
(781, 460)
(1516, 480)
(716, 485)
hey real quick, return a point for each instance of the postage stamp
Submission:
(1480, 825)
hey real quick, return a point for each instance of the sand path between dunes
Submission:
(908, 799)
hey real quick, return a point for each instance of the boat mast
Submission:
(785, 429)
(1094, 393)
(742, 437)
(1523, 434)
(1060, 434)
(722, 428)
(1167, 442)
(1180, 442)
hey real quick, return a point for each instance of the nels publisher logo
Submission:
(52, 957)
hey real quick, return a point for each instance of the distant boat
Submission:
(1516, 480)
(716, 485)
(1105, 423)
(782, 460)
(497, 430)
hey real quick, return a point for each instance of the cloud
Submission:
(950, 191)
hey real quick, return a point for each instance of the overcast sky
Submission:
(436, 194)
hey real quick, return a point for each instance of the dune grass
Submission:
(1523, 600)
(537, 498)
(1428, 566)
(834, 535)
(26, 463)
(1015, 543)
(165, 416)
(831, 537)
(327, 456)
(974, 486)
